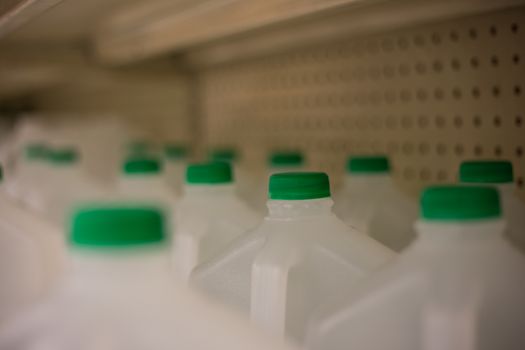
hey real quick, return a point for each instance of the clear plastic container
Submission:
(120, 294)
(278, 162)
(209, 215)
(31, 257)
(371, 203)
(142, 180)
(459, 285)
(300, 256)
(500, 174)
(175, 162)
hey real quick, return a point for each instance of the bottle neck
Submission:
(297, 209)
(219, 190)
(364, 181)
(119, 267)
(459, 234)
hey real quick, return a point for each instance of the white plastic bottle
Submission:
(31, 257)
(142, 180)
(499, 173)
(278, 162)
(64, 185)
(209, 215)
(458, 286)
(299, 257)
(244, 180)
(30, 173)
(371, 203)
(120, 294)
(175, 162)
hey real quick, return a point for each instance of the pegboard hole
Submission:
(437, 66)
(473, 33)
(436, 38)
(516, 58)
(459, 150)
(518, 121)
(439, 94)
(519, 182)
(441, 149)
(407, 148)
(458, 122)
(519, 151)
(477, 121)
(457, 94)
(493, 30)
(517, 90)
(455, 64)
(421, 68)
(423, 148)
(422, 121)
(494, 61)
(514, 27)
(478, 150)
(402, 43)
(498, 151)
(496, 91)
(497, 121)
(474, 62)
(454, 36)
(424, 174)
(440, 121)
(476, 93)
(421, 95)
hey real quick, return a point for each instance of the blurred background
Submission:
(429, 83)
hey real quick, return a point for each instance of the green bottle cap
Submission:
(368, 165)
(459, 203)
(136, 165)
(486, 171)
(286, 159)
(36, 151)
(209, 173)
(117, 227)
(175, 152)
(299, 186)
(139, 147)
(223, 155)
(63, 156)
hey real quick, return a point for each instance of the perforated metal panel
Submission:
(429, 96)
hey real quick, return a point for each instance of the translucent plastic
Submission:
(207, 219)
(32, 257)
(373, 205)
(300, 256)
(125, 299)
(514, 212)
(147, 188)
(458, 286)
(174, 171)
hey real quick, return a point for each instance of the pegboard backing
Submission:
(429, 96)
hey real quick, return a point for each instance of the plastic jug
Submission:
(175, 162)
(65, 184)
(244, 181)
(459, 285)
(499, 173)
(30, 172)
(120, 294)
(300, 256)
(31, 257)
(278, 162)
(142, 180)
(209, 215)
(370, 202)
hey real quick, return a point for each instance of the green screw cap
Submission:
(36, 151)
(63, 156)
(286, 159)
(223, 155)
(486, 171)
(209, 173)
(117, 227)
(368, 165)
(141, 165)
(299, 186)
(139, 146)
(175, 152)
(460, 203)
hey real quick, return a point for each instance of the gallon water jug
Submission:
(245, 182)
(31, 257)
(370, 202)
(209, 215)
(120, 294)
(175, 162)
(66, 184)
(299, 257)
(500, 174)
(30, 172)
(142, 180)
(459, 285)
(278, 162)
